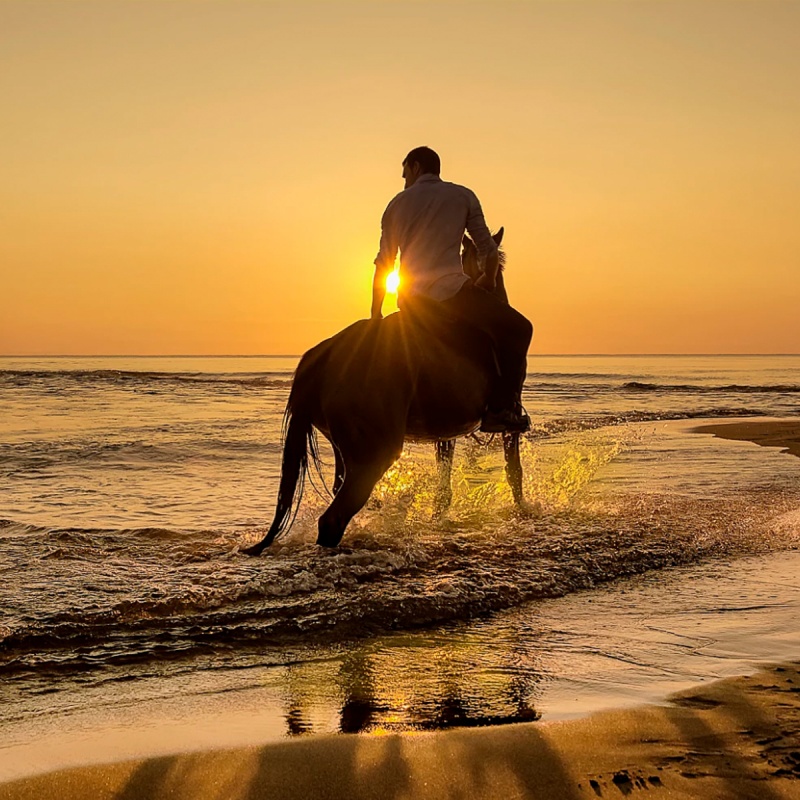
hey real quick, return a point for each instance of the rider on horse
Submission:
(426, 222)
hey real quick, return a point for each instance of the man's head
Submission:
(419, 161)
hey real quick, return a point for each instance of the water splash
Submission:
(554, 476)
(555, 479)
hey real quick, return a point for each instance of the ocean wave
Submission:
(89, 537)
(686, 388)
(35, 456)
(113, 377)
(577, 376)
(10, 528)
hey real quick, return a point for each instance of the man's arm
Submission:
(378, 291)
(487, 248)
(384, 264)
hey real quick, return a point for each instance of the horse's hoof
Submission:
(528, 510)
(328, 544)
(329, 538)
(255, 550)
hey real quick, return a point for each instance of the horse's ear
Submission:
(498, 237)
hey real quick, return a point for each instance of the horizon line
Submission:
(299, 355)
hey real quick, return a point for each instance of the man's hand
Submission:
(486, 282)
(488, 278)
(378, 291)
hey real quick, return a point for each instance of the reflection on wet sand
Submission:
(436, 688)
(614, 646)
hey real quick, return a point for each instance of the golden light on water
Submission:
(393, 282)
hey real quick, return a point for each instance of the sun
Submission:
(393, 282)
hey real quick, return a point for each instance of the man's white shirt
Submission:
(426, 223)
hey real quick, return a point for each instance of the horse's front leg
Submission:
(513, 465)
(444, 463)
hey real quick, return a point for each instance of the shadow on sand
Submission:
(734, 739)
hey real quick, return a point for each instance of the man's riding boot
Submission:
(505, 421)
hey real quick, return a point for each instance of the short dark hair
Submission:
(428, 159)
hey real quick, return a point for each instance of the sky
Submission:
(208, 177)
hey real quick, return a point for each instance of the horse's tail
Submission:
(299, 442)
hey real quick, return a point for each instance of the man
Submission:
(426, 222)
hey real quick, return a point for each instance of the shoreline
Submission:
(738, 737)
(784, 433)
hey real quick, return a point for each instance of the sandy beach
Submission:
(767, 433)
(736, 738)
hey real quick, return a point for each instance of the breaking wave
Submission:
(637, 386)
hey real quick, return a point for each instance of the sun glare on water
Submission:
(393, 282)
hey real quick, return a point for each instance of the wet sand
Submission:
(767, 433)
(738, 737)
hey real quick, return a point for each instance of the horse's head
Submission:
(469, 255)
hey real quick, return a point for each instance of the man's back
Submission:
(427, 222)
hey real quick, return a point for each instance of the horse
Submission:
(369, 388)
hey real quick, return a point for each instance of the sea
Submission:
(130, 485)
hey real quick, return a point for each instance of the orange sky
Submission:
(209, 177)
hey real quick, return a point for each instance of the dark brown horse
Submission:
(369, 388)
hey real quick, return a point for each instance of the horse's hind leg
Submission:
(444, 463)
(360, 478)
(513, 465)
(338, 475)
